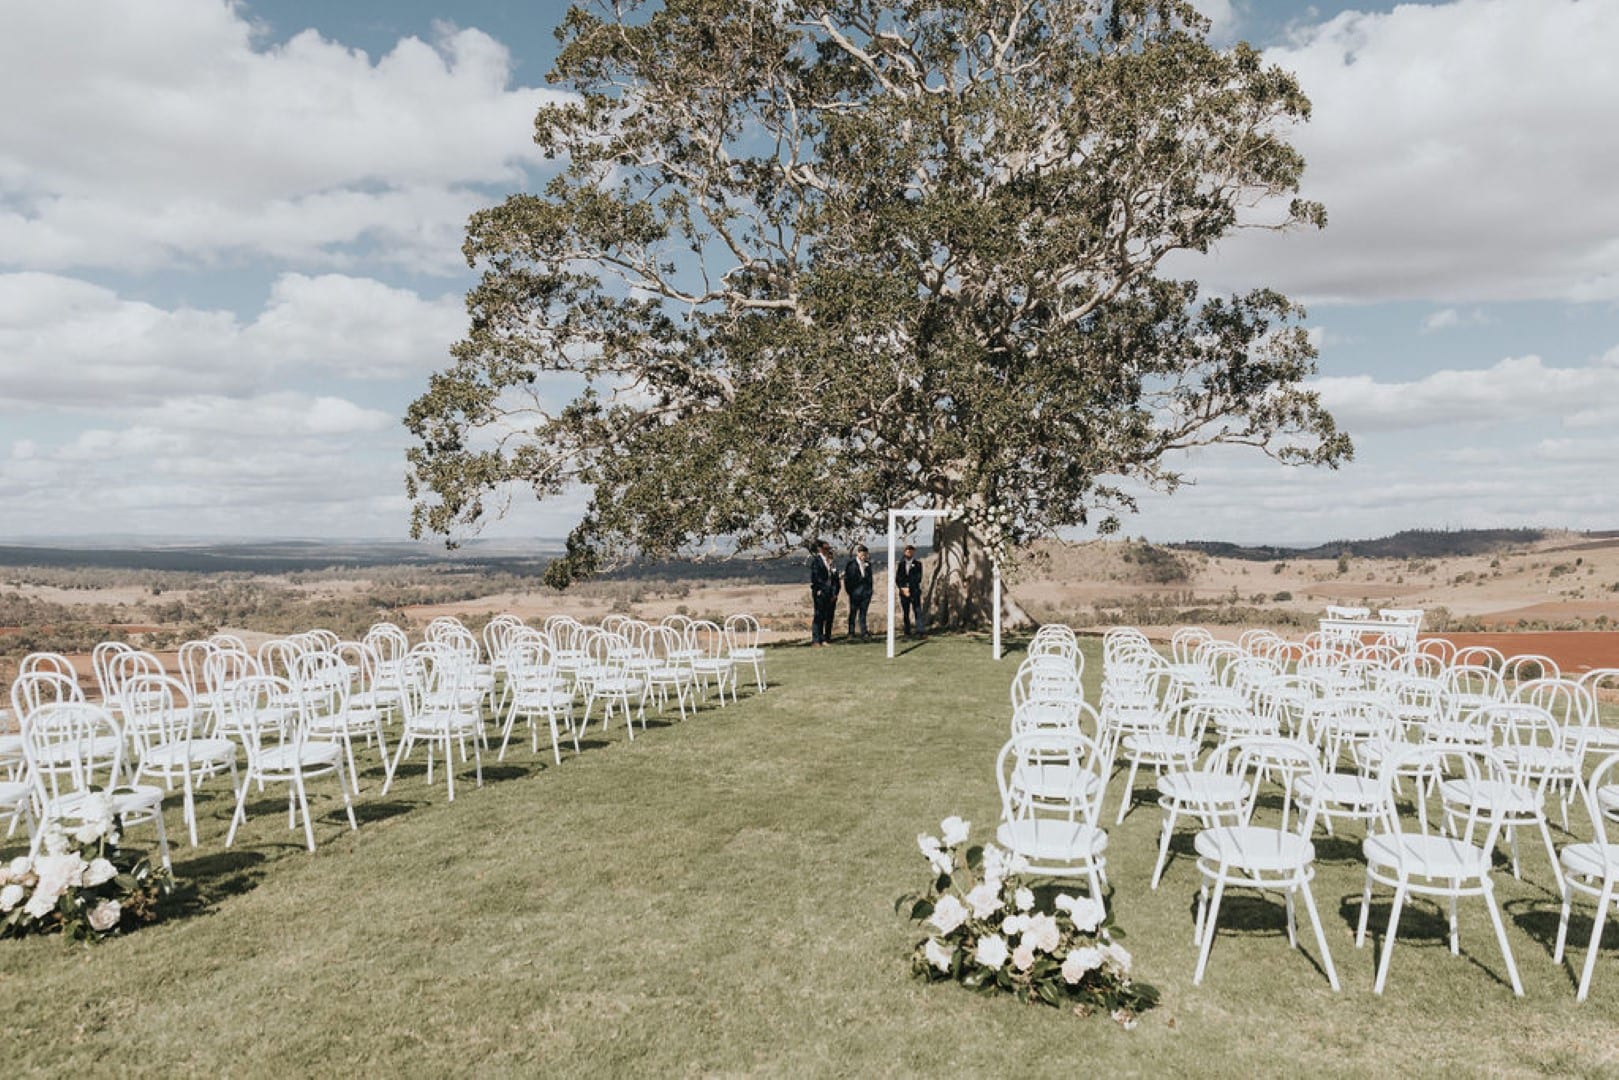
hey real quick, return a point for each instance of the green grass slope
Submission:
(717, 897)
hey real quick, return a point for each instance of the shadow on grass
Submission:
(203, 882)
(1254, 914)
(378, 810)
(1424, 925)
(1539, 919)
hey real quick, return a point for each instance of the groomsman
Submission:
(823, 592)
(908, 577)
(857, 583)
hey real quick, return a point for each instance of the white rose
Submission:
(42, 902)
(1116, 957)
(991, 952)
(60, 871)
(105, 916)
(19, 867)
(948, 914)
(1023, 957)
(1086, 914)
(954, 830)
(938, 955)
(939, 860)
(985, 899)
(55, 839)
(1080, 962)
(996, 863)
(1014, 924)
(11, 896)
(99, 872)
(1042, 934)
(88, 833)
(1024, 898)
(1064, 902)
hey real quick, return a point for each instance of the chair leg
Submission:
(1598, 918)
(1163, 848)
(449, 762)
(1562, 924)
(1551, 853)
(1501, 936)
(399, 754)
(348, 803)
(238, 816)
(1365, 912)
(1129, 793)
(1210, 921)
(1388, 938)
(1320, 935)
(162, 836)
(303, 808)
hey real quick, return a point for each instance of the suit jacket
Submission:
(909, 576)
(857, 579)
(823, 579)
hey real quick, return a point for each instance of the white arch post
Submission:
(893, 593)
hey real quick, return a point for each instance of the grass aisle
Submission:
(717, 897)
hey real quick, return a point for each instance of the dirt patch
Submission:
(1574, 650)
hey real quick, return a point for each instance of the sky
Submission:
(230, 257)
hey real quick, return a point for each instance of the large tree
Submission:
(805, 261)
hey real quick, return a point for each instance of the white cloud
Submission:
(1221, 15)
(1240, 497)
(1514, 389)
(146, 134)
(278, 463)
(1450, 318)
(1465, 152)
(67, 342)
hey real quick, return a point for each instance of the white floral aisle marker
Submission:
(82, 883)
(985, 931)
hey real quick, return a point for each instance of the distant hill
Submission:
(293, 556)
(1409, 544)
(272, 557)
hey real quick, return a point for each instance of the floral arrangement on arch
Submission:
(82, 883)
(985, 931)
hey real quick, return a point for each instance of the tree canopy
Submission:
(804, 261)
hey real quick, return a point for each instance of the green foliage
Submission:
(806, 261)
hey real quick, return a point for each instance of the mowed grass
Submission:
(717, 897)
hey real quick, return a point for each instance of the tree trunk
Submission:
(959, 587)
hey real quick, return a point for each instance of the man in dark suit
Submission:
(908, 577)
(823, 592)
(857, 582)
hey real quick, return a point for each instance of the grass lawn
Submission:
(718, 897)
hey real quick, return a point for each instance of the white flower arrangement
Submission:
(81, 883)
(987, 932)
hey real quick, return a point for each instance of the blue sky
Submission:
(229, 257)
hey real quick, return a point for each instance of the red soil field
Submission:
(1574, 650)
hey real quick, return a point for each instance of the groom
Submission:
(857, 582)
